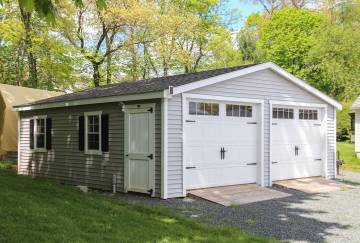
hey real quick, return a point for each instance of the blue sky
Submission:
(245, 7)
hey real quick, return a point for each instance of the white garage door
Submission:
(221, 140)
(297, 142)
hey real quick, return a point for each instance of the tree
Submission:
(288, 36)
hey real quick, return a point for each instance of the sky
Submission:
(245, 7)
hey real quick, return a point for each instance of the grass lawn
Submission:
(347, 153)
(39, 210)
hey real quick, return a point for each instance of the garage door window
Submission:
(306, 114)
(283, 113)
(238, 110)
(203, 109)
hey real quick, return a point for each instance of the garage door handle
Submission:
(274, 162)
(318, 159)
(190, 167)
(190, 121)
(317, 125)
(251, 164)
(251, 123)
(274, 123)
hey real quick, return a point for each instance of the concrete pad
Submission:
(313, 185)
(237, 194)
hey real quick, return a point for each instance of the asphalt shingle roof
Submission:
(140, 86)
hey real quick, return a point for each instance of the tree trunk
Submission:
(26, 18)
(108, 61)
(96, 74)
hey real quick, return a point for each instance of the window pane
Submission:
(236, 110)
(200, 107)
(215, 109)
(286, 113)
(291, 114)
(280, 113)
(229, 110)
(40, 125)
(274, 112)
(207, 109)
(40, 141)
(242, 111)
(249, 111)
(301, 114)
(306, 114)
(315, 115)
(310, 115)
(93, 141)
(192, 108)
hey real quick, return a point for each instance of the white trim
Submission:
(270, 146)
(183, 106)
(92, 151)
(252, 69)
(164, 148)
(335, 145)
(36, 149)
(89, 101)
(323, 107)
(18, 145)
(187, 96)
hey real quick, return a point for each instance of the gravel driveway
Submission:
(332, 217)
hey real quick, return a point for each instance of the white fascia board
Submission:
(152, 95)
(252, 69)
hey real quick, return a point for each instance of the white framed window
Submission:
(283, 113)
(239, 110)
(39, 133)
(93, 132)
(203, 108)
(308, 114)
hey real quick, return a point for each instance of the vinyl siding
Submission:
(331, 142)
(264, 85)
(357, 132)
(65, 163)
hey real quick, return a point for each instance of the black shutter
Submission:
(105, 133)
(81, 133)
(48, 133)
(32, 134)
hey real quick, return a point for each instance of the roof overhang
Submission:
(268, 65)
(100, 100)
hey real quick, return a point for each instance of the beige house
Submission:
(12, 96)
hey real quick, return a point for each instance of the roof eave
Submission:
(99, 100)
(252, 69)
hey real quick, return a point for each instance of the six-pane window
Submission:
(203, 109)
(40, 133)
(93, 132)
(238, 110)
(283, 113)
(306, 114)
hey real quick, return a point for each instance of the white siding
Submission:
(265, 85)
(357, 132)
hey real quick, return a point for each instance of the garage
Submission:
(297, 142)
(222, 143)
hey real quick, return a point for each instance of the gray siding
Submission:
(65, 163)
(265, 85)
(331, 142)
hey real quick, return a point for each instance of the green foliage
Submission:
(347, 153)
(37, 210)
(288, 36)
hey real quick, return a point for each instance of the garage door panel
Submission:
(210, 177)
(296, 147)
(241, 154)
(202, 154)
(205, 136)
